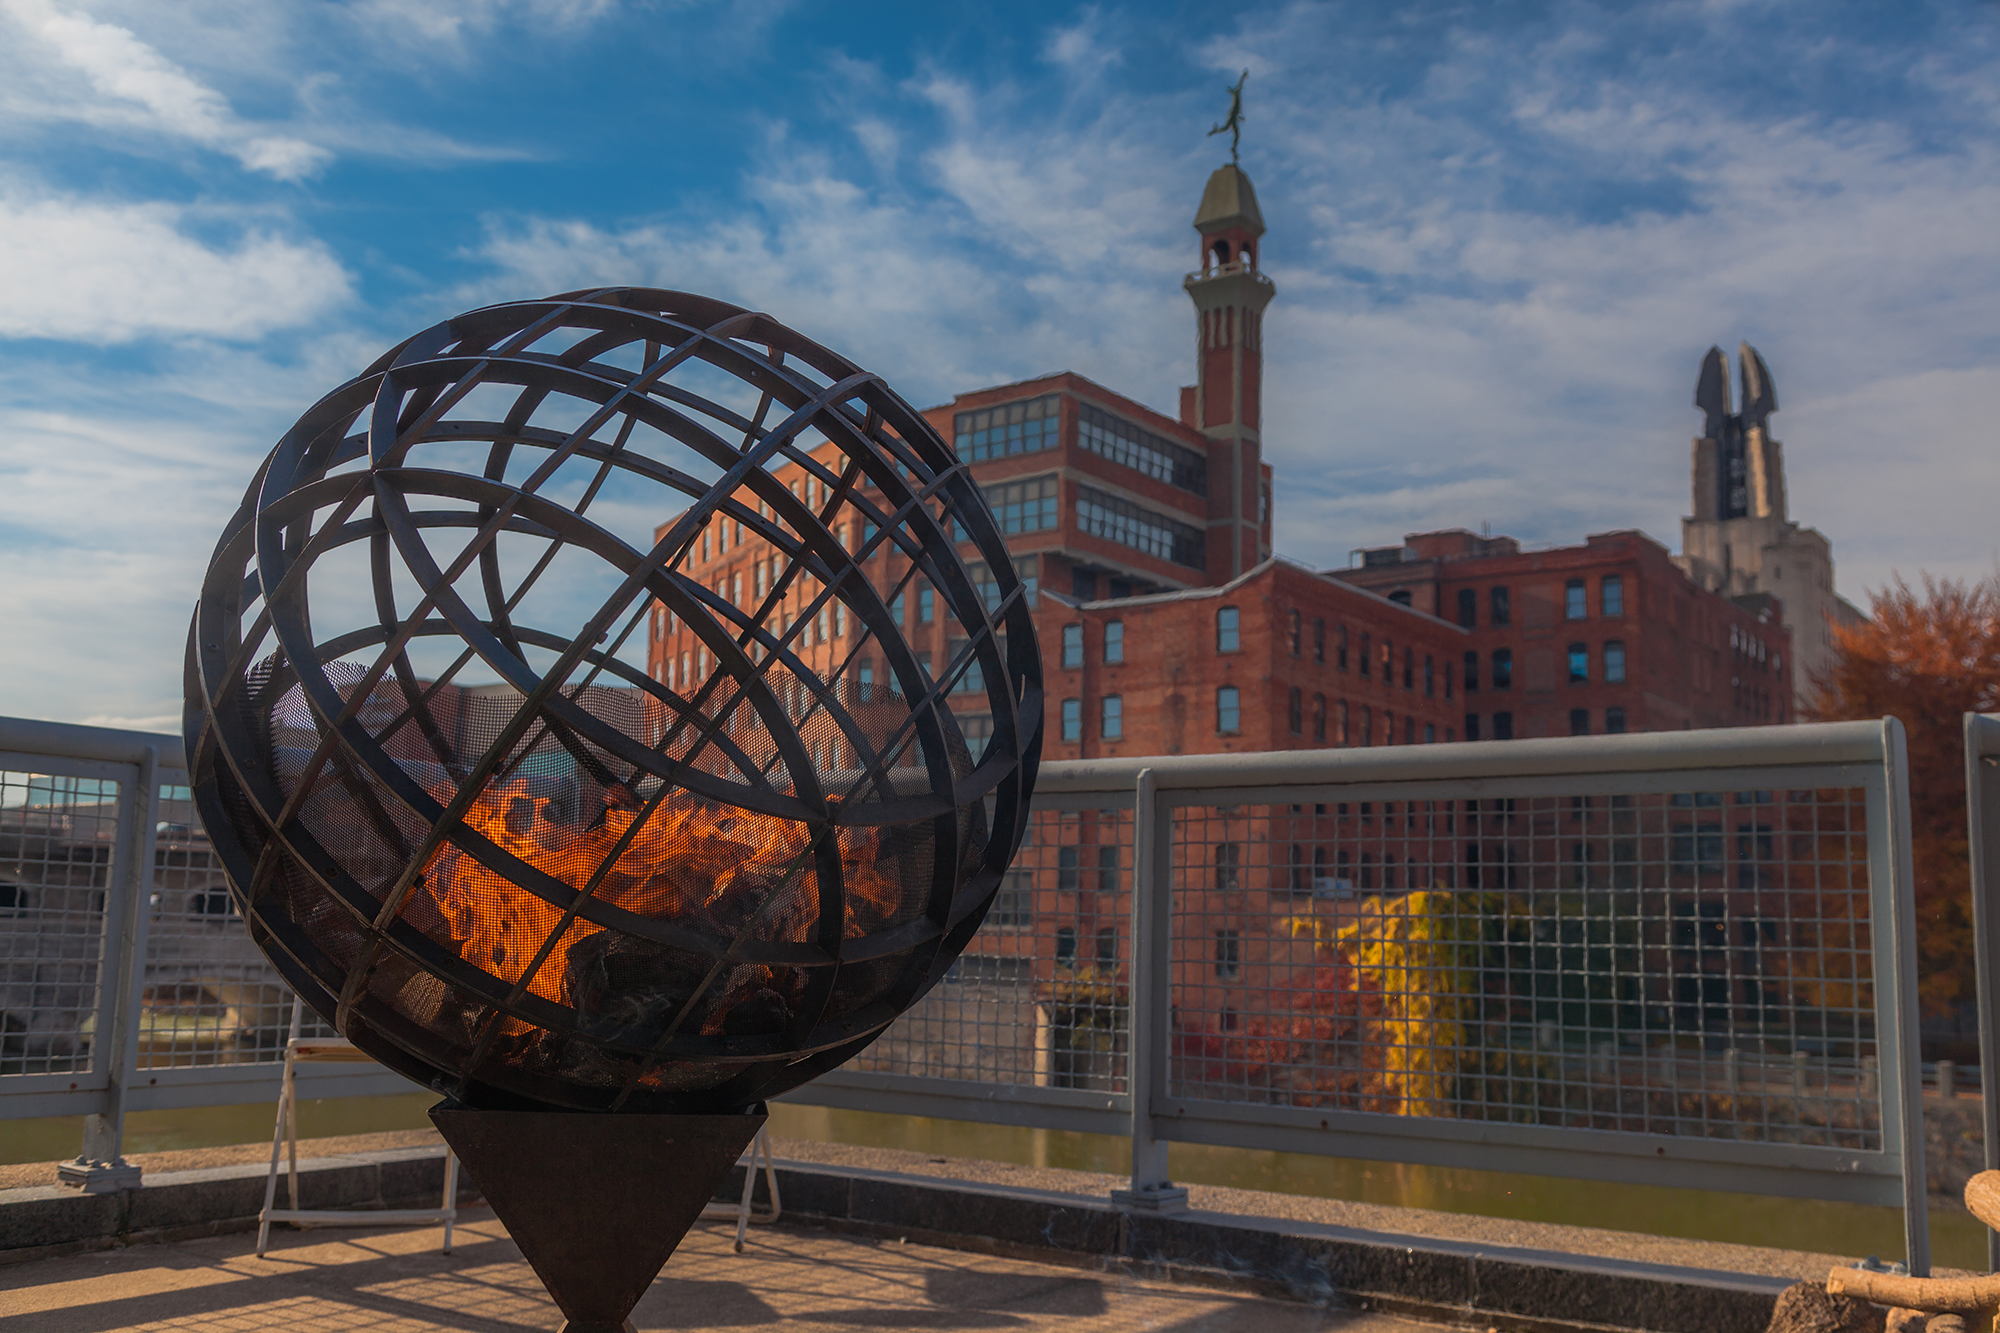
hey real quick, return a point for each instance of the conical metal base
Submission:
(596, 1201)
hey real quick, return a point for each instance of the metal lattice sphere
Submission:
(560, 705)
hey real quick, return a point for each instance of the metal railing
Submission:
(1982, 817)
(127, 982)
(1681, 959)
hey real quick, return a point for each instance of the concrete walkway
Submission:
(795, 1280)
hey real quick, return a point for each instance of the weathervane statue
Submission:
(1233, 125)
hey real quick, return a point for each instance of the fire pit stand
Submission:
(541, 791)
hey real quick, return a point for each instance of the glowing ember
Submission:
(715, 870)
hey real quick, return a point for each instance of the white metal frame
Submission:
(744, 1210)
(1982, 817)
(285, 1137)
(1867, 755)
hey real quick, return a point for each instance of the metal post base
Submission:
(98, 1177)
(596, 1201)
(1154, 1199)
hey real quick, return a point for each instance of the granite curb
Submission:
(1467, 1282)
(47, 1220)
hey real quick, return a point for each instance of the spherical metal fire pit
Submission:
(540, 789)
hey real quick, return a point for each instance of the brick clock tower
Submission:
(1230, 294)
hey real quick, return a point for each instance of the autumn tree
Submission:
(1926, 659)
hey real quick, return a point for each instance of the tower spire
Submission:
(1229, 295)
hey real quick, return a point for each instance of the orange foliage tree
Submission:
(1927, 659)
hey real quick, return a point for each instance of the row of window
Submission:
(1500, 666)
(1344, 725)
(1012, 428)
(1576, 602)
(1072, 644)
(1500, 726)
(1141, 450)
(1108, 516)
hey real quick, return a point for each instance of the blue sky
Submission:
(1503, 236)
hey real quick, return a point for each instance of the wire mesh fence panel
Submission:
(208, 996)
(57, 839)
(1693, 964)
(1040, 996)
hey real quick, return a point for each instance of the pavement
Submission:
(794, 1279)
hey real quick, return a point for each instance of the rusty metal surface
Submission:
(508, 861)
(596, 1202)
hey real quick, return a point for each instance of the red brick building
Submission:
(1609, 636)
(1166, 624)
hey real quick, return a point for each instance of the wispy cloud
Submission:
(109, 273)
(134, 85)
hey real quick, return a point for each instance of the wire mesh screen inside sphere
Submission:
(522, 782)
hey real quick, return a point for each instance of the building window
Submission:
(1574, 607)
(1014, 905)
(1228, 954)
(1472, 726)
(1614, 721)
(1107, 944)
(1072, 719)
(1409, 730)
(974, 679)
(1401, 597)
(1503, 670)
(1112, 717)
(1228, 635)
(1471, 672)
(977, 730)
(1319, 640)
(1579, 664)
(1409, 668)
(1468, 609)
(1430, 677)
(1503, 726)
(1067, 874)
(1500, 612)
(1319, 718)
(1579, 721)
(1295, 709)
(1295, 633)
(1449, 672)
(1388, 664)
(1066, 946)
(1227, 866)
(1367, 644)
(926, 605)
(897, 609)
(1367, 725)
(865, 677)
(1141, 450)
(1072, 647)
(1024, 506)
(1107, 868)
(1430, 733)
(1612, 598)
(1012, 428)
(1114, 642)
(1614, 662)
(1340, 646)
(1228, 710)
(1104, 515)
(1340, 721)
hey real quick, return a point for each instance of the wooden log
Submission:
(1982, 1198)
(1938, 1295)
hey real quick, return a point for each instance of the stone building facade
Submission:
(1739, 541)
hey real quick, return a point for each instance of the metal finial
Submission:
(1233, 126)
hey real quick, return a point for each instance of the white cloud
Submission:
(109, 273)
(138, 86)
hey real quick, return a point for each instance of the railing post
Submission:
(1902, 1069)
(1150, 998)
(100, 1166)
(1982, 815)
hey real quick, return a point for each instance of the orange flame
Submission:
(714, 869)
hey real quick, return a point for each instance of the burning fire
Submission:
(713, 869)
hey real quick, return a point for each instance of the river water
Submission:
(1957, 1239)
